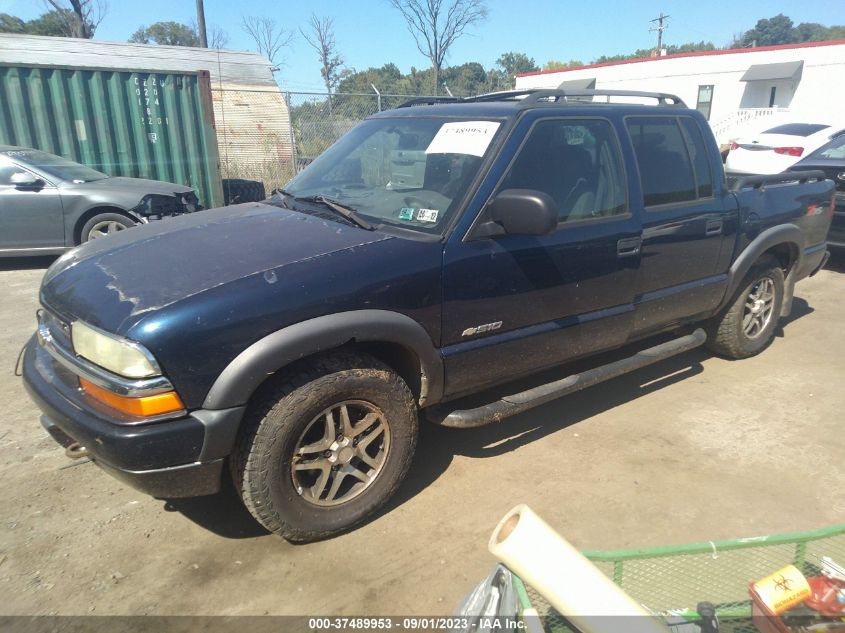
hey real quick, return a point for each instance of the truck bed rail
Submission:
(737, 183)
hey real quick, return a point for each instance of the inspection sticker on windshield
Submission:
(427, 215)
(406, 213)
(464, 137)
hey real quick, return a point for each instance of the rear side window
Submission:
(797, 129)
(699, 157)
(666, 171)
(836, 149)
(578, 163)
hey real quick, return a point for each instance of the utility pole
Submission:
(201, 24)
(659, 28)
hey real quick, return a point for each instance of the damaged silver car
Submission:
(49, 204)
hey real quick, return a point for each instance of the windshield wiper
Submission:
(339, 208)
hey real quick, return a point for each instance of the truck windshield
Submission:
(404, 172)
(56, 166)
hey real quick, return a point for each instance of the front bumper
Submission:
(183, 457)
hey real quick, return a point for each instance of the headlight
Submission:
(113, 353)
(157, 206)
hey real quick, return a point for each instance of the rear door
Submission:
(689, 221)
(30, 217)
(515, 304)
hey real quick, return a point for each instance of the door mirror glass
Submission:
(25, 179)
(520, 212)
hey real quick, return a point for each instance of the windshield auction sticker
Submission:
(463, 137)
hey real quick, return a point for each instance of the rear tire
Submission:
(238, 190)
(325, 446)
(748, 325)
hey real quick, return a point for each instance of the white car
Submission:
(778, 148)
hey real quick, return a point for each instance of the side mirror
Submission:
(520, 212)
(25, 180)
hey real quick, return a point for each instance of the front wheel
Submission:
(749, 323)
(325, 448)
(104, 224)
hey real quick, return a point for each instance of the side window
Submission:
(836, 149)
(698, 154)
(576, 162)
(666, 172)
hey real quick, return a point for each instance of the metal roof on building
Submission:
(238, 67)
(767, 72)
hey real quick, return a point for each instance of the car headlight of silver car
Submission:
(118, 355)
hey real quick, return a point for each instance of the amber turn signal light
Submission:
(145, 406)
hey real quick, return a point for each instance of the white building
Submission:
(737, 90)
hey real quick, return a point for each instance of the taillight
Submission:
(734, 146)
(789, 151)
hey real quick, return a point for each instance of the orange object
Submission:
(145, 406)
(782, 590)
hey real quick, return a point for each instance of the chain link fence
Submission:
(268, 136)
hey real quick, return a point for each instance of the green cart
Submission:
(671, 581)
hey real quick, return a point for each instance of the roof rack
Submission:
(429, 101)
(556, 95)
(534, 96)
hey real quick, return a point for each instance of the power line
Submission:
(659, 28)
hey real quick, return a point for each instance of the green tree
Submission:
(514, 63)
(690, 47)
(11, 24)
(166, 33)
(54, 23)
(554, 64)
(769, 31)
(671, 49)
(466, 79)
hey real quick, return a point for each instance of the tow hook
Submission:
(76, 451)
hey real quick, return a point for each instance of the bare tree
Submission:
(82, 16)
(217, 37)
(269, 38)
(436, 24)
(321, 38)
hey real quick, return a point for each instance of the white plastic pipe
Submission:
(564, 577)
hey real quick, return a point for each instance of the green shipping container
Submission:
(155, 125)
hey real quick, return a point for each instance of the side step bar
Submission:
(517, 403)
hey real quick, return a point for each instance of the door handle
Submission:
(713, 227)
(628, 247)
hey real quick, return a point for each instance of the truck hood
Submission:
(112, 282)
(140, 185)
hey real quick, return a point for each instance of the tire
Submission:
(237, 190)
(748, 325)
(103, 224)
(289, 416)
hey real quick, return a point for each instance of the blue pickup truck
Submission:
(434, 252)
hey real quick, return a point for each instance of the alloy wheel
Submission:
(759, 307)
(341, 453)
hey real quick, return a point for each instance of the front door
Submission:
(514, 304)
(30, 216)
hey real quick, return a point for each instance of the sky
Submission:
(372, 33)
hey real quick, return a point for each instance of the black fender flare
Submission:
(242, 376)
(782, 234)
